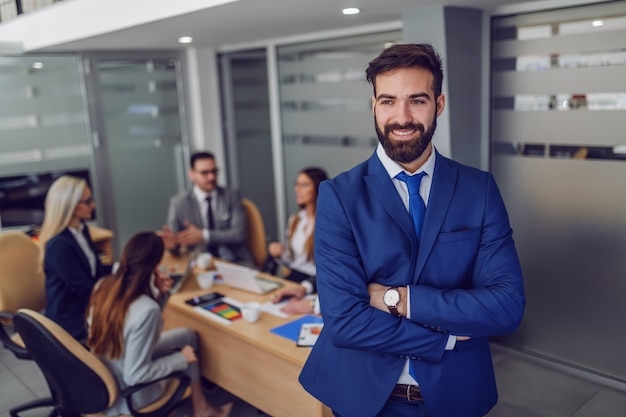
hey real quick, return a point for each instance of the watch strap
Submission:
(393, 310)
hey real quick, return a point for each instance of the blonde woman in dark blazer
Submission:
(70, 260)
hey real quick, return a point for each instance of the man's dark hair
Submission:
(407, 55)
(200, 155)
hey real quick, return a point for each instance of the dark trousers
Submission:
(400, 407)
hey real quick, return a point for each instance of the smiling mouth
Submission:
(403, 133)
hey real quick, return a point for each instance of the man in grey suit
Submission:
(207, 215)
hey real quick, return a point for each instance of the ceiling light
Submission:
(597, 23)
(185, 39)
(351, 10)
(37, 65)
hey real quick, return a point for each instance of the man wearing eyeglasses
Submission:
(207, 215)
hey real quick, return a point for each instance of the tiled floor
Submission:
(528, 387)
(532, 387)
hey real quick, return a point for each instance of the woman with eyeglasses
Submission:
(297, 253)
(70, 260)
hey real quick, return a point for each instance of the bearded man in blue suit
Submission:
(407, 315)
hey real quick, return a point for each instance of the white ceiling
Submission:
(250, 21)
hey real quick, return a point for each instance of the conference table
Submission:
(246, 359)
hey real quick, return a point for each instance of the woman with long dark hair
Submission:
(125, 328)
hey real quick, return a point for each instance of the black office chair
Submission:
(79, 382)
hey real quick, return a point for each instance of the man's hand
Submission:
(189, 236)
(377, 292)
(168, 236)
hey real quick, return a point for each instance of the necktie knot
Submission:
(412, 181)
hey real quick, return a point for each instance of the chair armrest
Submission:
(169, 406)
(19, 351)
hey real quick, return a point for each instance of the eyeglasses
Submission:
(213, 171)
(87, 201)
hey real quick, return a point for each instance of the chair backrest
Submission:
(21, 278)
(80, 383)
(255, 239)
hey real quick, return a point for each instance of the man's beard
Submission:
(408, 150)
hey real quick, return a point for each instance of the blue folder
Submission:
(291, 330)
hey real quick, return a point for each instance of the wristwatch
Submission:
(391, 299)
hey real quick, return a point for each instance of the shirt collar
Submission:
(393, 168)
(201, 195)
(77, 231)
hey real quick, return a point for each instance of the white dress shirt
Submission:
(204, 207)
(393, 169)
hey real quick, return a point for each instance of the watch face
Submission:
(392, 297)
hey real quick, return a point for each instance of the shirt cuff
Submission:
(308, 286)
(408, 302)
(316, 306)
(205, 234)
(451, 342)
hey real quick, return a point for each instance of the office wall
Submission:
(43, 132)
(456, 33)
(325, 104)
(559, 104)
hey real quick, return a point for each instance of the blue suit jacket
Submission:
(464, 280)
(69, 281)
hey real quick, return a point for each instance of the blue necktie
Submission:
(417, 208)
(416, 204)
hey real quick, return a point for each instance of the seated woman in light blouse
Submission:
(297, 253)
(70, 260)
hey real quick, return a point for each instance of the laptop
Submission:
(244, 278)
(180, 278)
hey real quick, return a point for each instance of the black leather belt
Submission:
(409, 392)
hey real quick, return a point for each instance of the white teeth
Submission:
(403, 132)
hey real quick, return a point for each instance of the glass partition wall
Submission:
(114, 119)
(43, 133)
(325, 104)
(138, 132)
(559, 155)
(247, 131)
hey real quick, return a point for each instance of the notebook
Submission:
(244, 278)
(180, 278)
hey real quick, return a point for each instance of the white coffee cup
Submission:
(205, 279)
(204, 260)
(251, 311)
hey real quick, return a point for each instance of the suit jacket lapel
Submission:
(70, 237)
(195, 214)
(382, 189)
(441, 191)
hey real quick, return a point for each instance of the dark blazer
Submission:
(230, 222)
(464, 280)
(69, 281)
